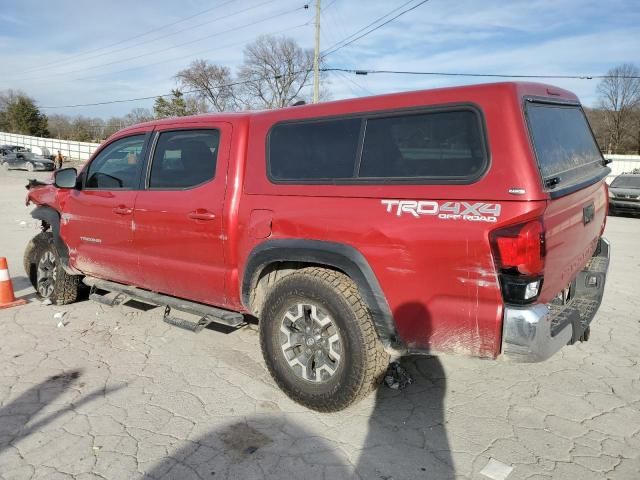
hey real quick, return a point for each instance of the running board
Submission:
(185, 324)
(108, 299)
(124, 293)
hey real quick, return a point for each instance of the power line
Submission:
(199, 90)
(458, 74)
(180, 31)
(262, 20)
(357, 72)
(346, 42)
(173, 59)
(353, 82)
(120, 42)
(331, 22)
(346, 38)
(328, 5)
(201, 52)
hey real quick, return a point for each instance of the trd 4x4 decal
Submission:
(472, 212)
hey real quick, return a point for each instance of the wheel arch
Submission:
(50, 219)
(297, 253)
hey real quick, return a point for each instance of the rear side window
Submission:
(443, 145)
(565, 148)
(184, 159)
(118, 166)
(314, 150)
(432, 145)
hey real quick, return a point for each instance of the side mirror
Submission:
(65, 178)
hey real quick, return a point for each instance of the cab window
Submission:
(184, 159)
(118, 166)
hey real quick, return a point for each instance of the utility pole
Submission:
(316, 58)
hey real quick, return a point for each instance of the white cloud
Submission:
(528, 37)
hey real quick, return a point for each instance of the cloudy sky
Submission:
(82, 51)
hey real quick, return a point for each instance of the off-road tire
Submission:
(37, 243)
(365, 359)
(65, 288)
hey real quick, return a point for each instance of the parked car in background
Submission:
(624, 194)
(26, 161)
(6, 149)
(42, 151)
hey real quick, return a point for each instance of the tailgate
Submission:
(573, 226)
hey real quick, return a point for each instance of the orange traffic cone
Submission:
(7, 299)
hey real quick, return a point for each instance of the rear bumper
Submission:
(534, 333)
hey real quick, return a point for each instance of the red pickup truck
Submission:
(464, 220)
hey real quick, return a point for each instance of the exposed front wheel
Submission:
(318, 340)
(30, 167)
(42, 265)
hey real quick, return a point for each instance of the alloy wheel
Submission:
(46, 275)
(311, 342)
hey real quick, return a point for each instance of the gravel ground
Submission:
(116, 393)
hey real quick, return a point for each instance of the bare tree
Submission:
(619, 95)
(60, 126)
(596, 117)
(274, 73)
(137, 115)
(635, 130)
(212, 83)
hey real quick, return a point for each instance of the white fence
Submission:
(68, 148)
(622, 164)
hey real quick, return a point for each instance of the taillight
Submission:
(519, 253)
(520, 248)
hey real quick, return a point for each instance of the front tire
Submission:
(30, 167)
(318, 340)
(42, 265)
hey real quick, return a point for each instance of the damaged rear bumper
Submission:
(534, 333)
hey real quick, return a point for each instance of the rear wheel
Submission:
(30, 167)
(5, 165)
(42, 265)
(318, 340)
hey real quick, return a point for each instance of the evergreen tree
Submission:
(176, 106)
(22, 116)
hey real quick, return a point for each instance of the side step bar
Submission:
(124, 293)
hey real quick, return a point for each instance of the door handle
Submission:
(122, 210)
(201, 214)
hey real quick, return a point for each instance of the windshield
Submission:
(565, 148)
(626, 182)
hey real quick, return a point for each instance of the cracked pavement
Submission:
(117, 393)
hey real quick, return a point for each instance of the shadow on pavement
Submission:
(16, 416)
(407, 436)
(404, 437)
(20, 283)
